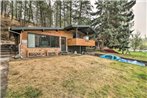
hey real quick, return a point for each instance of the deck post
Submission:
(80, 50)
(76, 32)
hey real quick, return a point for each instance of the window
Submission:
(38, 40)
(31, 40)
(43, 41)
(76, 35)
(54, 41)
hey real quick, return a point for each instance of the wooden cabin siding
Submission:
(80, 42)
(25, 51)
(52, 33)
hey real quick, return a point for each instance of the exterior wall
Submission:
(25, 51)
(80, 42)
(70, 41)
(78, 49)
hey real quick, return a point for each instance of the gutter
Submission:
(14, 32)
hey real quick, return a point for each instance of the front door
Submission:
(63, 44)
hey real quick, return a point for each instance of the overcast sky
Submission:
(140, 11)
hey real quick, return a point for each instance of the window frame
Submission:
(43, 35)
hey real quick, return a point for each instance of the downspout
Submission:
(19, 46)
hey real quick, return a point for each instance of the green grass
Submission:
(134, 81)
(139, 54)
(129, 83)
(133, 55)
(27, 92)
(136, 55)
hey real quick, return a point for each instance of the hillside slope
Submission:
(6, 23)
(75, 77)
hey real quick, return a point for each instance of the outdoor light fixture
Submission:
(86, 37)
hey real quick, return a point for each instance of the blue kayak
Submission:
(117, 58)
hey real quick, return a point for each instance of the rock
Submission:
(75, 52)
(17, 56)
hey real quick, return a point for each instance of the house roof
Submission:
(83, 28)
(34, 28)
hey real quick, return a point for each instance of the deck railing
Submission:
(80, 42)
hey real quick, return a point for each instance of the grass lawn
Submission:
(133, 55)
(136, 55)
(141, 54)
(75, 77)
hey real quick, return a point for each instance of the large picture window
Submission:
(31, 40)
(38, 40)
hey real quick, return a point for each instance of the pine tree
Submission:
(81, 12)
(125, 30)
(100, 23)
(113, 19)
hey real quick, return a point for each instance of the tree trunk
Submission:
(16, 16)
(12, 9)
(64, 13)
(60, 14)
(25, 12)
(50, 14)
(5, 8)
(29, 12)
(70, 22)
(20, 12)
(79, 20)
(56, 13)
(2, 7)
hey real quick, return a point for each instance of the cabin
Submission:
(47, 41)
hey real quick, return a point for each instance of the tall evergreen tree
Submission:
(113, 19)
(81, 11)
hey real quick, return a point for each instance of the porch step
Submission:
(4, 56)
(6, 52)
(7, 56)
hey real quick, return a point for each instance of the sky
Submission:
(140, 11)
(140, 19)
